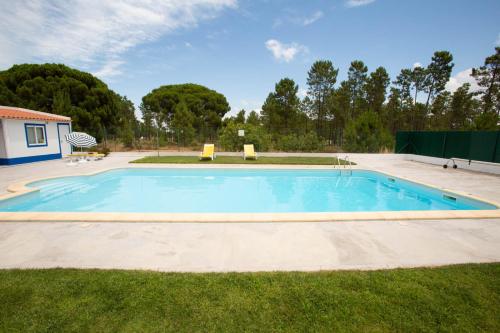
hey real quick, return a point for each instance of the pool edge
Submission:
(20, 188)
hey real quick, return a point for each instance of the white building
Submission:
(31, 136)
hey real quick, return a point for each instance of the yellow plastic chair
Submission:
(208, 152)
(96, 155)
(249, 152)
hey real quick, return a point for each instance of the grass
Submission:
(240, 160)
(462, 298)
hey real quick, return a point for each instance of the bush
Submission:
(103, 150)
(127, 137)
(366, 134)
(256, 135)
(305, 143)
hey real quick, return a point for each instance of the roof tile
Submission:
(9, 112)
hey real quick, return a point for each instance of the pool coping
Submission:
(21, 188)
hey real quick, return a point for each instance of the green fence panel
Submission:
(457, 145)
(482, 146)
(431, 143)
(477, 145)
(402, 141)
(496, 153)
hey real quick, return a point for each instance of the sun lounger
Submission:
(96, 156)
(249, 152)
(84, 156)
(208, 152)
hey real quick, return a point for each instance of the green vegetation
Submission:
(183, 110)
(367, 134)
(463, 298)
(356, 114)
(254, 134)
(53, 88)
(240, 160)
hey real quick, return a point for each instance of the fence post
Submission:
(443, 149)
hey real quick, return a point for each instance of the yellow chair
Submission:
(96, 155)
(208, 152)
(249, 152)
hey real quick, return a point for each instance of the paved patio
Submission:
(255, 246)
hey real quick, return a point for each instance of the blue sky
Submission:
(242, 48)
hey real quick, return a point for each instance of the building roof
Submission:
(9, 112)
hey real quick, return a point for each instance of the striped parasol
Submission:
(80, 139)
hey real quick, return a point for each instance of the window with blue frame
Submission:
(36, 135)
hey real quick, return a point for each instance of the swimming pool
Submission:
(148, 190)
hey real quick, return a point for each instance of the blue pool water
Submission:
(234, 191)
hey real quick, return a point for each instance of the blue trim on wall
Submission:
(44, 133)
(29, 159)
(59, 137)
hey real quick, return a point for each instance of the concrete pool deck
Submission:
(256, 246)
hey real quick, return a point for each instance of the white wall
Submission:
(3, 152)
(16, 138)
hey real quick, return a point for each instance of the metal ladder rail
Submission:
(338, 164)
(348, 165)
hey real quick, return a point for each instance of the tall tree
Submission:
(438, 74)
(93, 107)
(461, 108)
(339, 104)
(439, 116)
(321, 80)
(392, 112)
(281, 107)
(253, 118)
(357, 76)
(207, 106)
(404, 83)
(488, 77)
(376, 88)
(418, 79)
(182, 124)
(240, 117)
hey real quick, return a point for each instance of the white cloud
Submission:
(93, 32)
(313, 18)
(284, 52)
(460, 78)
(358, 3)
(292, 17)
(417, 64)
(109, 69)
(302, 93)
(188, 44)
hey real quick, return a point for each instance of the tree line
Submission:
(56, 88)
(361, 113)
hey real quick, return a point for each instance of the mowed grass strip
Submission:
(239, 160)
(462, 298)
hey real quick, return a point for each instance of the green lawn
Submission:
(462, 298)
(240, 160)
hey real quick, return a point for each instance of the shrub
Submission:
(306, 143)
(256, 135)
(103, 150)
(288, 142)
(127, 137)
(366, 134)
(310, 142)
